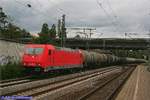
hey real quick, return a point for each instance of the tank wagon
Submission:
(133, 60)
(94, 58)
(48, 57)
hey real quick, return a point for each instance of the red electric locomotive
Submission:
(45, 57)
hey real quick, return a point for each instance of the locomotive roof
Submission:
(49, 46)
(40, 45)
(66, 49)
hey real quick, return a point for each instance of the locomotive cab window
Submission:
(49, 52)
(34, 51)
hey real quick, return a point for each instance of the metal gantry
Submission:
(87, 35)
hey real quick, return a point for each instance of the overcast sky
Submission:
(111, 17)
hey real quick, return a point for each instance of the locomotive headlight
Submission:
(24, 63)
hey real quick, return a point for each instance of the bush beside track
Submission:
(11, 71)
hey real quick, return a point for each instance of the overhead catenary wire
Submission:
(116, 17)
(108, 15)
(100, 5)
(114, 14)
(99, 35)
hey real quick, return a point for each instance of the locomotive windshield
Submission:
(34, 51)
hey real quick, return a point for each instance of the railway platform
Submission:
(138, 85)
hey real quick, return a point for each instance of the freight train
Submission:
(45, 57)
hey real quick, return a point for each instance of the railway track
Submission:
(107, 89)
(16, 81)
(40, 87)
(74, 86)
(9, 82)
(52, 87)
(61, 88)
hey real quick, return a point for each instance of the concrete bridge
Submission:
(107, 43)
(101, 43)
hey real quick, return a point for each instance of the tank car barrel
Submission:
(95, 58)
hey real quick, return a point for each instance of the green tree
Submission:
(52, 32)
(45, 29)
(3, 21)
(14, 31)
(9, 30)
(3, 18)
(46, 36)
(25, 34)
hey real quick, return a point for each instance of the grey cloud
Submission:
(123, 15)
